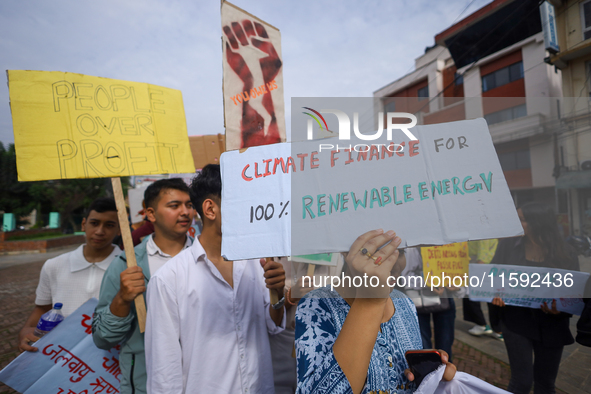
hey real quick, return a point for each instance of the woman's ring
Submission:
(366, 253)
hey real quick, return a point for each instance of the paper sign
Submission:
(253, 80)
(310, 197)
(450, 260)
(207, 149)
(77, 126)
(261, 222)
(67, 361)
(529, 286)
(136, 209)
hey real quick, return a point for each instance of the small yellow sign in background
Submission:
(451, 260)
(77, 126)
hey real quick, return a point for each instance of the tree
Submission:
(14, 195)
(66, 196)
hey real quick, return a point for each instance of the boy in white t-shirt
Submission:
(74, 277)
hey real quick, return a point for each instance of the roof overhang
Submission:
(574, 180)
(490, 29)
(561, 59)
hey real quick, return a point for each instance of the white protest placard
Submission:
(318, 197)
(67, 362)
(529, 287)
(247, 222)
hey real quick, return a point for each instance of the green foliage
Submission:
(66, 196)
(14, 195)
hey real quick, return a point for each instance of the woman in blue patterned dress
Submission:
(353, 339)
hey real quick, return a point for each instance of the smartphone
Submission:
(422, 363)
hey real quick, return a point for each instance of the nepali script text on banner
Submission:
(67, 361)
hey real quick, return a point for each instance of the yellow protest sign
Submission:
(445, 261)
(77, 126)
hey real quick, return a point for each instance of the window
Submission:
(423, 93)
(390, 107)
(503, 76)
(586, 19)
(515, 160)
(506, 114)
(459, 79)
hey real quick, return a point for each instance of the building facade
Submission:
(573, 58)
(491, 64)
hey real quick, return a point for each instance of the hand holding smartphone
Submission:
(422, 363)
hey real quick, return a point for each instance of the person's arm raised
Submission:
(354, 344)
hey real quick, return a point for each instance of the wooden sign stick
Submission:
(140, 304)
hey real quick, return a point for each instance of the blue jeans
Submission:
(444, 325)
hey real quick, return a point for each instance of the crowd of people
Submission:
(211, 325)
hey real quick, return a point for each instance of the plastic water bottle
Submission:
(49, 320)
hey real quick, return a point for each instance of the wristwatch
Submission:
(279, 303)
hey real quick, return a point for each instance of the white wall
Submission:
(473, 88)
(435, 84)
(540, 79)
(428, 65)
(438, 52)
(542, 161)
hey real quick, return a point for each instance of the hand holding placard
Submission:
(77, 126)
(140, 304)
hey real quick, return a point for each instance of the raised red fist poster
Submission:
(253, 80)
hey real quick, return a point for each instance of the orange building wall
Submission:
(406, 100)
(451, 114)
(515, 89)
(516, 179)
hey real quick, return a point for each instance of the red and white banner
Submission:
(67, 362)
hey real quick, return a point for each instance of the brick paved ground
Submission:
(17, 296)
(476, 363)
(481, 365)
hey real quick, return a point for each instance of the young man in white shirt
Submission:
(169, 208)
(75, 277)
(209, 319)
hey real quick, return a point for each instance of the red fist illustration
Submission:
(252, 56)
